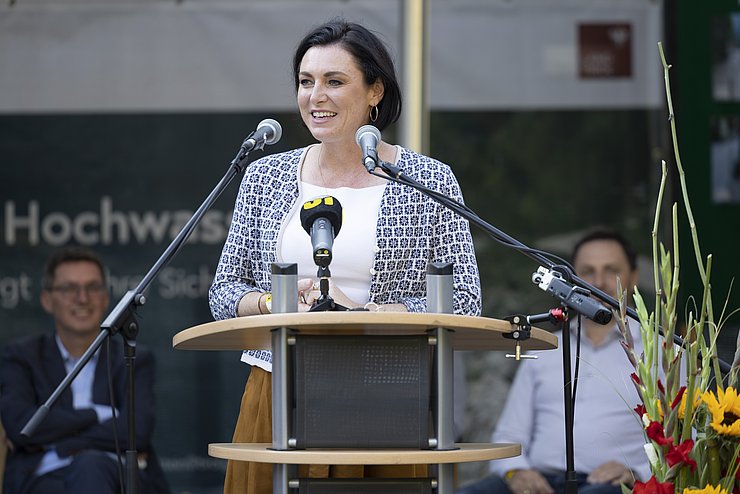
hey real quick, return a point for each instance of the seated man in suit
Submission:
(73, 449)
(608, 436)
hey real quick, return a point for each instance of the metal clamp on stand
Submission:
(521, 331)
(523, 328)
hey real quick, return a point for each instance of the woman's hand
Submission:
(309, 292)
(305, 286)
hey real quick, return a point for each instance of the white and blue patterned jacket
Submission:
(412, 231)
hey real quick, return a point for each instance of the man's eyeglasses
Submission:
(73, 290)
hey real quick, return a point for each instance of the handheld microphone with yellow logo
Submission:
(322, 219)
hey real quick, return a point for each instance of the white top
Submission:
(353, 252)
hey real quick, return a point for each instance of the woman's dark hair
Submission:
(372, 57)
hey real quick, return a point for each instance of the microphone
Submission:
(268, 132)
(368, 137)
(574, 297)
(322, 219)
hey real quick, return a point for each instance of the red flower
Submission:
(680, 454)
(635, 379)
(656, 433)
(652, 486)
(640, 410)
(660, 387)
(679, 395)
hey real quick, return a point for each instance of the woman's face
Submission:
(333, 98)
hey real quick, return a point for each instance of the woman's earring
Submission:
(374, 113)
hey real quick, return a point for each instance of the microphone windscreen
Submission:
(323, 207)
(367, 131)
(275, 128)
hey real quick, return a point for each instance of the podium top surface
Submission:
(255, 332)
(263, 453)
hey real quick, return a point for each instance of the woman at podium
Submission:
(344, 79)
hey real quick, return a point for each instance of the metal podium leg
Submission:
(444, 405)
(284, 299)
(280, 477)
(440, 300)
(445, 430)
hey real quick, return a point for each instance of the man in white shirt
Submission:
(608, 435)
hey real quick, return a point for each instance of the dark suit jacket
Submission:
(30, 371)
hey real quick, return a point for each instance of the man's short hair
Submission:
(605, 234)
(69, 254)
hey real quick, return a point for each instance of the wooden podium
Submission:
(448, 332)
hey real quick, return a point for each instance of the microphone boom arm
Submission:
(395, 174)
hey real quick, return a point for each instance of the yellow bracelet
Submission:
(259, 301)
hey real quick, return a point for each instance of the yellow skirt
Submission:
(254, 425)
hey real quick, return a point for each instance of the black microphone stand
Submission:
(123, 319)
(325, 302)
(571, 484)
(396, 174)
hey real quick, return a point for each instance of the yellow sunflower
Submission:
(682, 405)
(709, 489)
(725, 410)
